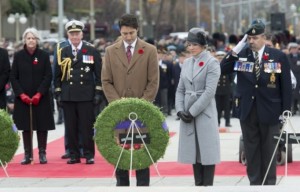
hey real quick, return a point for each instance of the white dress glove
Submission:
(240, 45)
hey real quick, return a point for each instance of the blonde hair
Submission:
(35, 33)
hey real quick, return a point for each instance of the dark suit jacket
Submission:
(271, 101)
(85, 77)
(4, 76)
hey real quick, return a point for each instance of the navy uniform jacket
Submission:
(165, 74)
(272, 96)
(225, 85)
(85, 74)
(295, 66)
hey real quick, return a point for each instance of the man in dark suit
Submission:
(263, 93)
(130, 70)
(4, 75)
(78, 89)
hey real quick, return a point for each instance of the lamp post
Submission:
(17, 18)
(293, 9)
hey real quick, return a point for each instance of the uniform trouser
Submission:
(203, 174)
(79, 119)
(259, 148)
(223, 103)
(164, 100)
(142, 177)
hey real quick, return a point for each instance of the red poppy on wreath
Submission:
(201, 63)
(84, 51)
(266, 56)
(35, 61)
(140, 51)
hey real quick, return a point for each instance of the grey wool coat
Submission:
(196, 94)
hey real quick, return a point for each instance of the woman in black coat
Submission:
(31, 78)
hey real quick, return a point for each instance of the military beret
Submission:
(74, 25)
(197, 35)
(257, 27)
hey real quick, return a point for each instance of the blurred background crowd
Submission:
(164, 24)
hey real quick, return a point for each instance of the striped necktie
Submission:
(256, 65)
(128, 53)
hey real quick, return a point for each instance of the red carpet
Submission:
(57, 167)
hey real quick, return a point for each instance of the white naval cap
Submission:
(220, 53)
(292, 45)
(74, 25)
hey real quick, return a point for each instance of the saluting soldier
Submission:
(263, 93)
(78, 89)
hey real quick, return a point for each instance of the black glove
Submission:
(58, 99)
(98, 97)
(185, 116)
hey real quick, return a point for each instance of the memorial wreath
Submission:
(149, 117)
(9, 139)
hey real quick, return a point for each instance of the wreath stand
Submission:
(133, 126)
(4, 167)
(292, 137)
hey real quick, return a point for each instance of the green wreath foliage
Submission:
(118, 111)
(9, 139)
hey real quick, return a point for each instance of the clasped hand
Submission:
(185, 116)
(35, 100)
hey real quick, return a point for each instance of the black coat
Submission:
(85, 77)
(29, 78)
(4, 75)
(295, 67)
(271, 100)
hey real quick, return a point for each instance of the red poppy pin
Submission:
(140, 51)
(266, 56)
(201, 63)
(35, 61)
(84, 51)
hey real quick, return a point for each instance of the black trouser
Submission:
(223, 103)
(27, 142)
(142, 177)
(203, 174)
(79, 119)
(259, 148)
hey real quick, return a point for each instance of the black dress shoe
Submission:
(90, 161)
(65, 156)
(26, 161)
(228, 125)
(43, 159)
(73, 161)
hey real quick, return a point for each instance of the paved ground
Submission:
(229, 152)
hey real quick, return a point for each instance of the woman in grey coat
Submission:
(199, 142)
